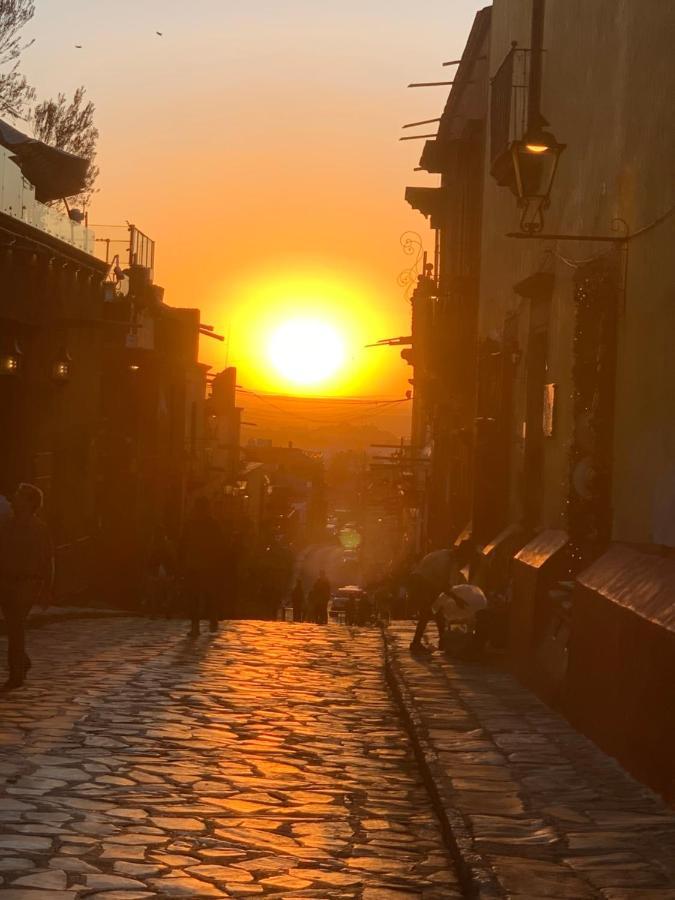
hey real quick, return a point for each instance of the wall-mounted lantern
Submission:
(62, 367)
(10, 357)
(535, 162)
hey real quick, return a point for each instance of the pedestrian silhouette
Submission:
(319, 597)
(201, 560)
(26, 575)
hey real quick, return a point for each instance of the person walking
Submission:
(319, 599)
(298, 601)
(26, 575)
(202, 554)
(436, 572)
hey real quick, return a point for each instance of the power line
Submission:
(363, 398)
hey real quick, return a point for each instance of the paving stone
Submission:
(137, 870)
(122, 895)
(220, 873)
(184, 887)
(16, 864)
(111, 882)
(24, 842)
(168, 824)
(52, 880)
(20, 893)
(74, 866)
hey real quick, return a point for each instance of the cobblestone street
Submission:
(536, 809)
(267, 760)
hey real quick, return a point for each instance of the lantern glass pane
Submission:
(536, 171)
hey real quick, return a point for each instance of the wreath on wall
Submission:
(596, 292)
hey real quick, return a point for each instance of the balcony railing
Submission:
(17, 199)
(509, 102)
(126, 245)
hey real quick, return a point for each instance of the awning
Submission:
(54, 173)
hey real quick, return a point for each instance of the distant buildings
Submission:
(543, 367)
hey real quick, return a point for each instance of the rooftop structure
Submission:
(30, 170)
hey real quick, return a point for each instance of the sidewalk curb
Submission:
(475, 875)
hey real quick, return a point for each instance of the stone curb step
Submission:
(475, 875)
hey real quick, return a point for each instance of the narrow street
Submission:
(266, 760)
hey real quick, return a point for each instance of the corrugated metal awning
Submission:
(639, 582)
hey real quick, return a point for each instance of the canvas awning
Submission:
(54, 173)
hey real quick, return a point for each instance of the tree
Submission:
(16, 94)
(69, 126)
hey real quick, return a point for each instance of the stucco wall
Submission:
(608, 84)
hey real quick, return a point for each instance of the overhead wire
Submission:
(374, 408)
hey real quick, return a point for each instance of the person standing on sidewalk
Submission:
(319, 598)
(26, 575)
(436, 572)
(202, 556)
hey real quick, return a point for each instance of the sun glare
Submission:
(305, 332)
(306, 351)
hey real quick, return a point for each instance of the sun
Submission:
(306, 351)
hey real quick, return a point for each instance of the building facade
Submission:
(103, 400)
(50, 342)
(555, 362)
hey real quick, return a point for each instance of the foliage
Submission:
(69, 126)
(16, 94)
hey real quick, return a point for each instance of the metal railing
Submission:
(141, 250)
(133, 249)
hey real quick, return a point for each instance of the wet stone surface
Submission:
(265, 761)
(547, 813)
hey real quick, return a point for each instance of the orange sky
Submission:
(257, 144)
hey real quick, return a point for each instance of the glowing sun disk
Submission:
(306, 351)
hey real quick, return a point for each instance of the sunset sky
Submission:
(257, 143)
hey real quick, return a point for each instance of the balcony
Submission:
(17, 199)
(509, 111)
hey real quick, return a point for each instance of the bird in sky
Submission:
(78, 46)
(160, 33)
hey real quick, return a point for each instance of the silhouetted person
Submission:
(202, 554)
(298, 601)
(319, 599)
(26, 574)
(434, 573)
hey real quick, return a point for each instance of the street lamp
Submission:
(62, 366)
(535, 162)
(10, 357)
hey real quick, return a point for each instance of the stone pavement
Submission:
(268, 760)
(536, 810)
